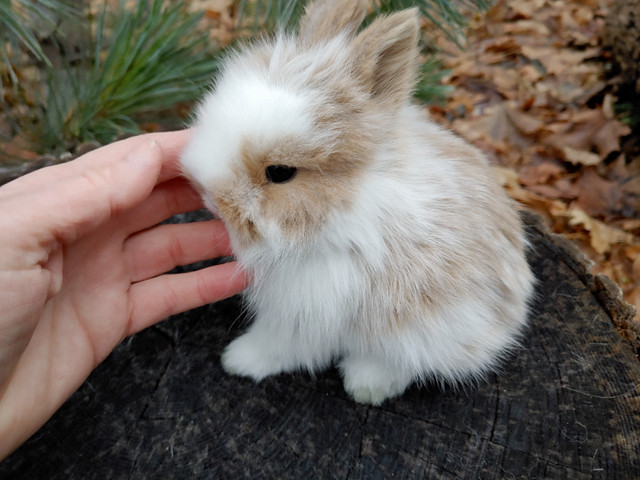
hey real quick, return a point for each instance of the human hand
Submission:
(81, 264)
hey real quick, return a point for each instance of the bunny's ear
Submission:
(324, 19)
(386, 57)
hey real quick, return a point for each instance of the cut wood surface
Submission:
(565, 406)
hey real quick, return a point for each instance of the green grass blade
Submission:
(14, 26)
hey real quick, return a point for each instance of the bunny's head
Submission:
(293, 123)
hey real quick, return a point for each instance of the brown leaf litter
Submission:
(530, 90)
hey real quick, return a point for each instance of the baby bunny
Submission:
(375, 238)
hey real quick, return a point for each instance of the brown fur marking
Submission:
(325, 20)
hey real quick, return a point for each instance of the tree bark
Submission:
(566, 404)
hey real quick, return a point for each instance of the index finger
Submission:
(171, 143)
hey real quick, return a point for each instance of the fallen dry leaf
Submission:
(531, 175)
(603, 237)
(218, 19)
(580, 157)
(598, 197)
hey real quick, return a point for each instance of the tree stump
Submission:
(566, 405)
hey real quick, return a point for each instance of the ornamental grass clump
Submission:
(143, 61)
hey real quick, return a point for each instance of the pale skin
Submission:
(82, 266)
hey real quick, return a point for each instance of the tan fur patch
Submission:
(417, 278)
(323, 20)
(325, 180)
(234, 213)
(386, 57)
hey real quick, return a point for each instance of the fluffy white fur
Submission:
(419, 275)
(311, 305)
(242, 106)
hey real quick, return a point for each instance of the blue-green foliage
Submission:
(145, 60)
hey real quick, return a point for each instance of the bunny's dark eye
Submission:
(280, 173)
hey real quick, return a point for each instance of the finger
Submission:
(160, 249)
(63, 201)
(69, 208)
(170, 143)
(167, 199)
(160, 297)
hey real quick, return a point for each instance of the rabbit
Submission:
(375, 238)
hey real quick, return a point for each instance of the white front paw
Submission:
(370, 381)
(249, 356)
